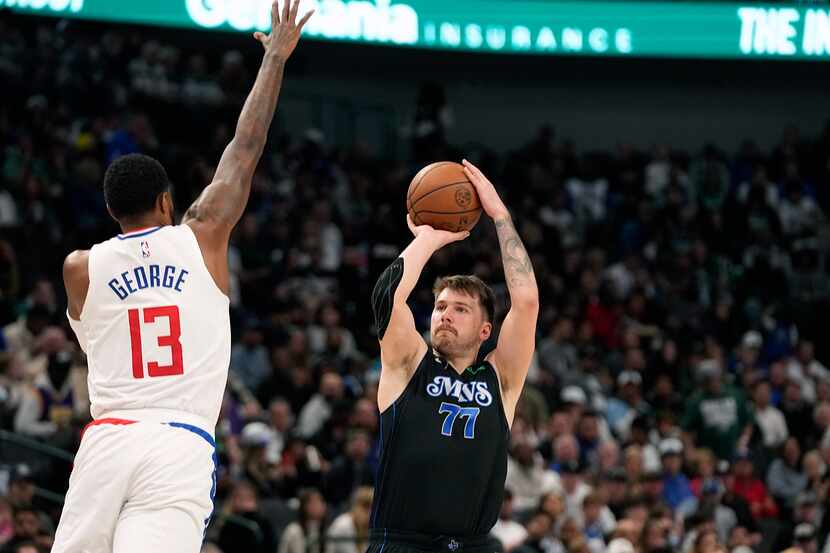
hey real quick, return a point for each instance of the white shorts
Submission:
(139, 485)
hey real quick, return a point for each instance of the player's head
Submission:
(136, 187)
(462, 317)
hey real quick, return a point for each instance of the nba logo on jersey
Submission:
(145, 249)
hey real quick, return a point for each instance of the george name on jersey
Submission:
(462, 391)
(148, 276)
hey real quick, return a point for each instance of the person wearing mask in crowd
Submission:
(239, 525)
(53, 403)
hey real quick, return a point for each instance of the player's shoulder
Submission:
(75, 261)
(76, 272)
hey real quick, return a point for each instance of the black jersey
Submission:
(443, 456)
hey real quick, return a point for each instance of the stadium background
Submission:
(675, 209)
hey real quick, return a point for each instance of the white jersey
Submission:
(155, 327)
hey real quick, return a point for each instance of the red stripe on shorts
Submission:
(105, 421)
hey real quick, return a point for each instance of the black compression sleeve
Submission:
(383, 296)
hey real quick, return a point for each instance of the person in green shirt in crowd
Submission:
(717, 415)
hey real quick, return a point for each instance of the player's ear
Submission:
(164, 204)
(486, 330)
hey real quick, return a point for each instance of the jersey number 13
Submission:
(171, 340)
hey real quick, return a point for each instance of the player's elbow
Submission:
(527, 302)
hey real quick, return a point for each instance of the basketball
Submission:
(442, 197)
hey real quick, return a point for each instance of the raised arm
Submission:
(517, 338)
(401, 346)
(220, 205)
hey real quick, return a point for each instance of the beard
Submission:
(450, 345)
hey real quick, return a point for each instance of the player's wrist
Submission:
(274, 55)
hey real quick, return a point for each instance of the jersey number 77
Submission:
(171, 340)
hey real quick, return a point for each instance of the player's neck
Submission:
(141, 223)
(459, 363)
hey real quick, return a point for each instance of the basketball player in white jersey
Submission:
(150, 309)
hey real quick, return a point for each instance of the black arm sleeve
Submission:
(383, 296)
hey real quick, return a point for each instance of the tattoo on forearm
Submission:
(518, 271)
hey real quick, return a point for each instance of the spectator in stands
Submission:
(768, 418)
(21, 487)
(20, 335)
(509, 532)
(350, 471)
(349, 532)
(306, 535)
(677, 491)
(717, 415)
(319, 408)
(249, 358)
(750, 488)
(538, 528)
(54, 402)
(784, 478)
(241, 527)
(623, 410)
(527, 477)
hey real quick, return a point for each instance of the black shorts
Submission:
(391, 541)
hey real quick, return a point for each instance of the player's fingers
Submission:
(275, 13)
(410, 224)
(295, 5)
(259, 36)
(304, 20)
(286, 11)
(458, 236)
(472, 168)
(472, 176)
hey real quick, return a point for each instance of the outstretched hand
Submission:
(442, 237)
(285, 29)
(490, 201)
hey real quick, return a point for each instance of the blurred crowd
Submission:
(678, 400)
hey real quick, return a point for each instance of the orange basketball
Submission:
(442, 197)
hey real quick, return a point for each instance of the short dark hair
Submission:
(473, 287)
(132, 184)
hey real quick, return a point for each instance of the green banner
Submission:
(597, 28)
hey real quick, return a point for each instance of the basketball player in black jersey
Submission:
(445, 411)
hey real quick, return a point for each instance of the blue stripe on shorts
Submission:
(209, 439)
